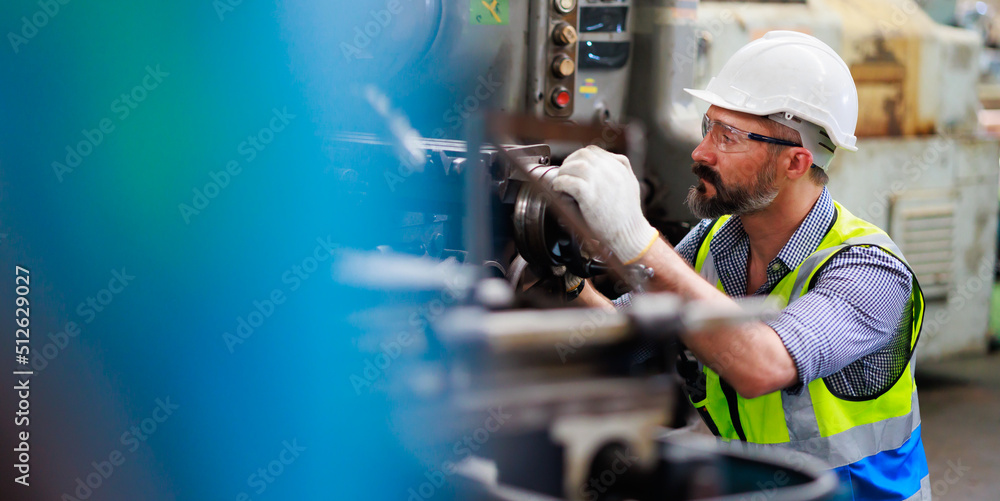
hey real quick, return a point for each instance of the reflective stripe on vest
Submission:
(840, 430)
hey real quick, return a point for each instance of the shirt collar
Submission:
(803, 242)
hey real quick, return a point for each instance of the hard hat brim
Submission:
(715, 99)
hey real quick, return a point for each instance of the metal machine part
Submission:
(574, 397)
(529, 227)
(522, 208)
(541, 239)
(569, 397)
(690, 467)
(551, 228)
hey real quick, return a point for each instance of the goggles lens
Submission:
(729, 139)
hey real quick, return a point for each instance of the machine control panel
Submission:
(580, 59)
(561, 54)
(603, 59)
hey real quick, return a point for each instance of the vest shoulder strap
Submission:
(847, 231)
(704, 263)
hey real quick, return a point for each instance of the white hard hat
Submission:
(796, 80)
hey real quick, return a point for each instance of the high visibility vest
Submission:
(873, 443)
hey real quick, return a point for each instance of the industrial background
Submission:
(304, 250)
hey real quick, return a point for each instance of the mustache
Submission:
(746, 198)
(705, 172)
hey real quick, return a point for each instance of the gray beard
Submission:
(735, 200)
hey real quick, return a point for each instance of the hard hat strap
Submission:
(814, 138)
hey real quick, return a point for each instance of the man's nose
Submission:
(705, 152)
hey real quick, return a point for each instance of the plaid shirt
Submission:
(852, 314)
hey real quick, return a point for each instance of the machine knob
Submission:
(563, 66)
(564, 34)
(564, 6)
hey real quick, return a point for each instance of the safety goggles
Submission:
(729, 139)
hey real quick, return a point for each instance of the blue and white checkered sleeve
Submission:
(854, 309)
(687, 248)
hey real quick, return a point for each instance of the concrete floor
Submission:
(960, 411)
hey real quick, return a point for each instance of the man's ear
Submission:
(799, 161)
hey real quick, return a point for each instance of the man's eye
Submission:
(728, 138)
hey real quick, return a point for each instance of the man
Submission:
(831, 375)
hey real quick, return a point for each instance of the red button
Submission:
(561, 97)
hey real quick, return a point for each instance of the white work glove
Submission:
(570, 281)
(607, 192)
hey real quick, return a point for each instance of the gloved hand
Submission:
(574, 284)
(607, 192)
